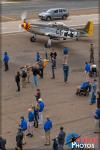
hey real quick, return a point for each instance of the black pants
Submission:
(41, 70)
(53, 72)
(6, 66)
(18, 86)
(36, 122)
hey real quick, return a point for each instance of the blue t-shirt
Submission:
(97, 113)
(65, 51)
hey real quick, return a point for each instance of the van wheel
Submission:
(48, 19)
(64, 17)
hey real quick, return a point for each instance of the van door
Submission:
(60, 13)
(56, 14)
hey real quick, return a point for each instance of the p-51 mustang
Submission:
(57, 30)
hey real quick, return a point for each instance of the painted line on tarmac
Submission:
(5, 2)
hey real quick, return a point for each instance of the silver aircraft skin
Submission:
(58, 30)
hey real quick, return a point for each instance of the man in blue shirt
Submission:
(41, 109)
(6, 60)
(23, 126)
(47, 129)
(30, 122)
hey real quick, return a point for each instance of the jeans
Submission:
(93, 98)
(36, 82)
(66, 71)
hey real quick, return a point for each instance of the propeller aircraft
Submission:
(57, 30)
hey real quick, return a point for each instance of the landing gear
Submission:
(33, 38)
(77, 38)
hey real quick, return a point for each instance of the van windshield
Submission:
(49, 11)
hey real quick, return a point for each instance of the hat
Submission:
(40, 99)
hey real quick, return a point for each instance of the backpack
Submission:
(24, 74)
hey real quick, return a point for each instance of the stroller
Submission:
(55, 144)
(93, 72)
(84, 89)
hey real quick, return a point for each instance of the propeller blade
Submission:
(24, 16)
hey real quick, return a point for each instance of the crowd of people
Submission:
(35, 112)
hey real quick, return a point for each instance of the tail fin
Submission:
(89, 28)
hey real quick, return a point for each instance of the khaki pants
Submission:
(24, 82)
(47, 137)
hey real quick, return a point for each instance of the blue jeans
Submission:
(36, 81)
(93, 98)
(66, 71)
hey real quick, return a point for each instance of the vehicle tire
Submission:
(48, 18)
(32, 39)
(64, 17)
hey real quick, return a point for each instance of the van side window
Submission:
(64, 10)
(56, 11)
(60, 10)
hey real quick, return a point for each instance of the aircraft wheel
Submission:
(77, 39)
(32, 39)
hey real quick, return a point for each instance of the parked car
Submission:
(55, 13)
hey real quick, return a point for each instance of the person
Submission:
(41, 109)
(65, 53)
(47, 129)
(30, 122)
(36, 116)
(93, 92)
(23, 75)
(6, 60)
(19, 139)
(55, 144)
(41, 68)
(61, 139)
(91, 53)
(38, 94)
(97, 113)
(87, 69)
(53, 66)
(23, 126)
(93, 72)
(17, 80)
(28, 73)
(36, 72)
(53, 54)
(49, 43)
(37, 57)
(84, 88)
(66, 72)
(2, 143)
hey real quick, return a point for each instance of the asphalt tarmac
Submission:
(41, 5)
(62, 105)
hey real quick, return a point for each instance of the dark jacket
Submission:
(35, 71)
(6, 58)
(19, 138)
(61, 138)
(2, 144)
(48, 125)
(17, 78)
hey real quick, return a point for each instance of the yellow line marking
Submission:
(9, 18)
